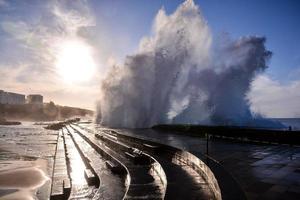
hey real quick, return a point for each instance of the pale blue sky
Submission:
(278, 21)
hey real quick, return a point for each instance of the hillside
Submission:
(41, 112)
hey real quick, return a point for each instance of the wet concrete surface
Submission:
(58, 149)
(60, 175)
(26, 154)
(264, 171)
(142, 183)
(183, 182)
(80, 188)
(111, 186)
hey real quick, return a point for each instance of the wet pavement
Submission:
(264, 171)
(111, 186)
(60, 175)
(26, 150)
(143, 185)
(80, 187)
(182, 181)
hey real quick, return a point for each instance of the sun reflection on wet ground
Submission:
(77, 170)
(111, 186)
(80, 188)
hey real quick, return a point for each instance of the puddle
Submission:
(21, 179)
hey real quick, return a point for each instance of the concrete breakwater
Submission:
(100, 163)
(134, 168)
(238, 133)
(3, 121)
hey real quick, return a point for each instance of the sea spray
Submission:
(179, 75)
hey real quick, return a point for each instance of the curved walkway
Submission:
(143, 184)
(183, 182)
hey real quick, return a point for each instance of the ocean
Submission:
(294, 123)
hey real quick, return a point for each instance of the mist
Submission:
(181, 74)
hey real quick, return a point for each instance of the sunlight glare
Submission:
(75, 62)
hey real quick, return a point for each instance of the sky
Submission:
(36, 37)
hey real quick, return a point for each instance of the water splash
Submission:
(179, 75)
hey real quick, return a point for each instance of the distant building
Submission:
(34, 99)
(11, 98)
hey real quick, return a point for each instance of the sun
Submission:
(75, 62)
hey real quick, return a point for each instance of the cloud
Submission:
(274, 99)
(4, 3)
(31, 42)
(71, 18)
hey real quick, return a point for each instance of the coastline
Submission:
(3, 121)
(9, 123)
